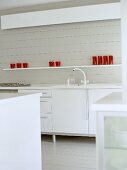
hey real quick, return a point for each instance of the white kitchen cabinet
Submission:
(46, 124)
(46, 115)
(94, 96)
(70, 111)
(45, 109)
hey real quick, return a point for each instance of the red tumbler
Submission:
(110, 59)
(100, 60)
(19, 65)
(105, 60)
(94, 60)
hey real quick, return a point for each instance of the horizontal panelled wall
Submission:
(72, 44)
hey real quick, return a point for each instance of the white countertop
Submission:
(50, 86)
(112, 102)
(8, 96)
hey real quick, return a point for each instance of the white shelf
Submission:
(63, 67)
(62, 16)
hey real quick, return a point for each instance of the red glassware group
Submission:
(54, 63)
(18, 65)
(102, 60)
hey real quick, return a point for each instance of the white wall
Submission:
(73, 44)
(124, 47)
(25, 6)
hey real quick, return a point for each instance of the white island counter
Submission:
(111, 135)
(112, 102)
(20, 139)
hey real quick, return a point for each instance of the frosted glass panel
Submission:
(115, 143)
(116, 132)
(115, 159)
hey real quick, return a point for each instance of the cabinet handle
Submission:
(46, 113)
(44, 117)
(87, 107)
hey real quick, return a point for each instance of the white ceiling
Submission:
(6, 4)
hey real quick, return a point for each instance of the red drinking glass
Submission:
(105, 60)
(110, 59)
(100, 60)
(12, 65)
(25, 65)
(19, 65)
(58, 63)
(94, 60)
(51, 64)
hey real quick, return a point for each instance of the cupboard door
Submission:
(46, 124)
(70, 111)
(46, 107)
(46, 115)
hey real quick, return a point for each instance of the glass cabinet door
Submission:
(115, 143)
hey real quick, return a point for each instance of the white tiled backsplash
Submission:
(72, 44)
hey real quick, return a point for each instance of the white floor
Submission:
(69, 153)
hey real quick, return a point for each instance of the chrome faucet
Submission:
(84, 81)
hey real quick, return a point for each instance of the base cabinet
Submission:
(70, 114)
(46, 115)
(45, 109)
(69, 111)
(46, 124)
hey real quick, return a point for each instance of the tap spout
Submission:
(83, 73)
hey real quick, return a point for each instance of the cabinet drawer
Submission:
(46, 124)
(45, 93)
(45, 107)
